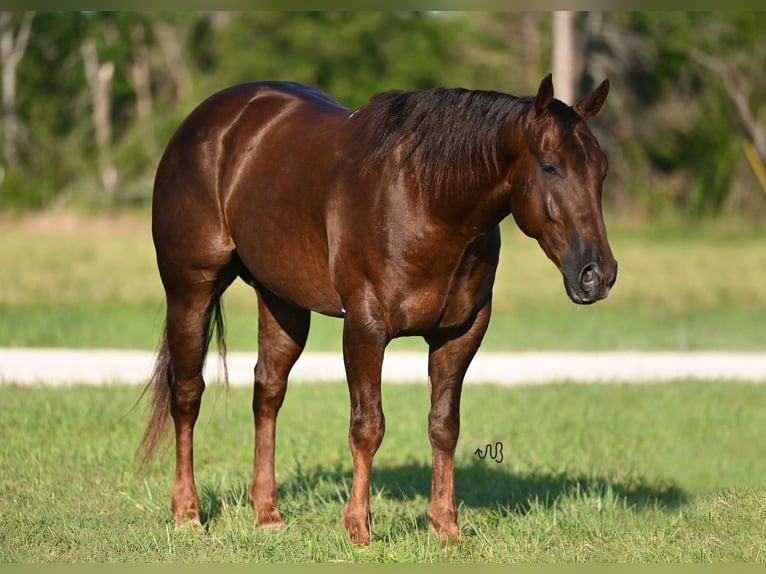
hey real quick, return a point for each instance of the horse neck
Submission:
(487, 200)
(478, 210)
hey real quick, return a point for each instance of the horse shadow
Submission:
(488, 485)
(478, 485)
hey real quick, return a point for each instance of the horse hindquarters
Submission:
(197, 263)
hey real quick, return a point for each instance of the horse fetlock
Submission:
(449, 534)
(264, 500)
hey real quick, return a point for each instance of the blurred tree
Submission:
(566, 63)
(99, 76)
(352, 55)
(685, 113)
(12, 48)
(672, 132)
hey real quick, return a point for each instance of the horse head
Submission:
(556, 185)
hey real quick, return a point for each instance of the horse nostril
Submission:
(590, 277)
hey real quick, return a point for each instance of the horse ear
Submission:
(544, 95)
(590, 106)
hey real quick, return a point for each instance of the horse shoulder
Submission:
(472, 280)
(443, 290)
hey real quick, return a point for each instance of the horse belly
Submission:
(279, 234)
(288, 259)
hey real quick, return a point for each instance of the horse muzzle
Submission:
(591, 284)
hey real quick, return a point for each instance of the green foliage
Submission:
(673, 136)
(352, 55)
(678, 142)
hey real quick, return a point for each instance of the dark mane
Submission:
(450, 135)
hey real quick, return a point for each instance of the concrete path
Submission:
(96, 367)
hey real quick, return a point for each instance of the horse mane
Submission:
(449, 136)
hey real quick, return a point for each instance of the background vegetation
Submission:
(92, 282)
(97, 95)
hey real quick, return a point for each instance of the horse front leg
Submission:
(448, 362)
(364, 340)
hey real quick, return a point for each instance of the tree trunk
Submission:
(565, 62)
(99, 77)
(172, 50)
(140, 72)
(12, 48)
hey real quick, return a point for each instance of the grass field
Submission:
(651, 473)
(599, 473)
(92, 282)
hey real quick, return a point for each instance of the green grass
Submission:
(69, 281)
(649, 473)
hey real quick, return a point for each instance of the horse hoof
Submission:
(184, 522)
(358, 531)
(360, 539)
(271, 522)
(449, 535)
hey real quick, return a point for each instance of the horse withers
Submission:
(387, 217)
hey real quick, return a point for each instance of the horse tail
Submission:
(158, 387)
(161, 382)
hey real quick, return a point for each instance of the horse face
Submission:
(556, 192)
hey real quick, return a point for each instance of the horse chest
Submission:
(450, 295)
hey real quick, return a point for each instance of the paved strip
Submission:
(97, 367)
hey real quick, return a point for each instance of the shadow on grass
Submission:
(478, 485)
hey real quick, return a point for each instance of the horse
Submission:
(386, 217)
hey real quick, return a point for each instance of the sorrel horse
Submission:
(387, 217)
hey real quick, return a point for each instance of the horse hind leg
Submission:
(282, 333)
(193, 297)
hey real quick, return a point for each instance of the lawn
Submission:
(70, 281)
(596, 473)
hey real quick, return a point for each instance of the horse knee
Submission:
(268, 392)
(367, 431)
(187, 397)
(444, 430)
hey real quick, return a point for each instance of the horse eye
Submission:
(549, 169)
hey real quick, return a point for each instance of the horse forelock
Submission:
(557, 123)
(562, 126)
(448, 139)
